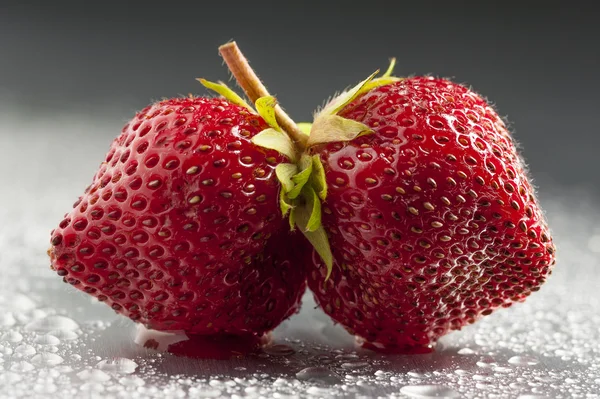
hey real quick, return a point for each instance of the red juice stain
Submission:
(395, 350)
(219, 347)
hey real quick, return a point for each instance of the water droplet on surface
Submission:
(22, 303)
(45, 388)
(22, 366)
(51, 323)
(279, 350)
(9, 378)
(321, 374)
(25, 350)
(204, 392)
(120, 365)
(429, 391)
(318, 391)
(64, 335)
(47, 339)
(523, 361)
(354, 365)
(92, 387)
(93, 375)
(532, 396)
(466, 351)
(12, 336)
(7, 320)
(46, 359)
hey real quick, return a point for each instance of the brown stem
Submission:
(254, 89)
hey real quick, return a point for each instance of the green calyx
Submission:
(303, 183)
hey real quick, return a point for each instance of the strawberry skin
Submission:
(180, 228)
(431, 220)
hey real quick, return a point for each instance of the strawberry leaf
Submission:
(226, 92)
(284, 172)
(317, 178)
(276, 140)
(318, 238)
(284, 205)
(313, 208)
(300, 179)
(266, 108)
(332, 128)
(345, 98)
(390, 69)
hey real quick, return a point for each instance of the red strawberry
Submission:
(180, 228)
(431, 219)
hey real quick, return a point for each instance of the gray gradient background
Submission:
(102, 61)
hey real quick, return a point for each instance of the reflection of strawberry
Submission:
(180, 229)
(431, 219)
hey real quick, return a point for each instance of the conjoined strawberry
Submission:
(180, 228)
(410, 191)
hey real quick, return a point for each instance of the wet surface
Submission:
(55, 340)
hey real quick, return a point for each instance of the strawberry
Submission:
(179, 229)
(417, 205)
(431, 219)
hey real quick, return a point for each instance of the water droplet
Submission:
(47, 339)
(429, 391)
(5, 350)
(318, 391)
(45, 388)
(532, 396)
(9, 378)
(12, 336)
(120, 365)
(416, 374)
(22, 303)
(466, 351)
(279, 350)
(92, 387)
(204, 392)
(321, 374)
(354, 365)
(93, 375)
(7, 320)
(64, 335)
(46, 359)
(132, 381)
(523, 361)
(50, 323)
(25, 350)
(22, 366)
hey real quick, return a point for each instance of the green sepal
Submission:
(292, 219)
(284, 205)
(334, 128)
(305, 127)
(226, 92)
(313, 206)
(284, 173)
(390, 70)
(378, 82)
(346, 97)
(300, 179)
(317, 178)
(318, 238)
(266, 108)
(276, 140)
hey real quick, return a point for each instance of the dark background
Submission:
(536, 61)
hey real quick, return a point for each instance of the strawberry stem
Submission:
(254, 89)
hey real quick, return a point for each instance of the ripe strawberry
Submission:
(431, 219)
(180, 229)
